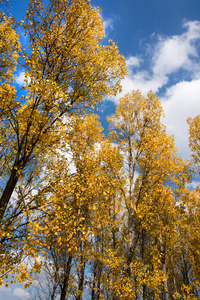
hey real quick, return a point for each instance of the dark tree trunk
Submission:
(7, 193)
(81, 279)
(66, 279)
(99, 281)
(94, 282)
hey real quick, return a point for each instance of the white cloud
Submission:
(142, 81)
(5, 292)
(173, 59)
(168, 55)
(173, 53)
(133, 61)
(108, 24)
(193, 185)
(20, 293)
(20, 78)
(180, 102)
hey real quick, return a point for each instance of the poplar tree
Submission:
(66, 69)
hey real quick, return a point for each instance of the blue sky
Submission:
(160, 40)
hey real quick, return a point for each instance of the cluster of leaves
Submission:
(116, 218)
(67, 70)
(83, 216)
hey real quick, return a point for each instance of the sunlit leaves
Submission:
(194, 139)
(155, 179)
(66, 70)
(9, 48)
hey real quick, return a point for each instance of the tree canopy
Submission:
(84, 215)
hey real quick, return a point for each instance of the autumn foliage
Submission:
(82, 215)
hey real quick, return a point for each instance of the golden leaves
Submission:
(66, 70)
(194, 139)
(9, 48)
(155, 179)
(71, 51)
(116, 205)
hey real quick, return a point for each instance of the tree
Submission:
(193, 205)
(188, 265)
(129, 234)
(194, 139)
(75, 219)
(66, 70)
(155, 177)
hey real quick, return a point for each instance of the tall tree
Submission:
(66, 69)
(194, 139)
(188, 264)
(155, 176)
(75, 207)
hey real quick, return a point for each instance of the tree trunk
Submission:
(7, 193)
(165, 281)
(81, 279)
(99, 280)
(94, 281)
(55, 284)
(130, 244)
(144, 287)
(66, 279)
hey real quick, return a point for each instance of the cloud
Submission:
(193, 185)
(108, 24)
(20, 293)
(142, 81)
(20, 78)
(5, 292)
(133, 61)
(168, 55)
(181, 101)
(174, 70)
(173, 53)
